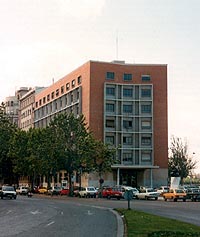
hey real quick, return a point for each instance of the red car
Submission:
(112, 193)
(64, 191)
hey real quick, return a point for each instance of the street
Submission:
(47, 217)
(78, 217)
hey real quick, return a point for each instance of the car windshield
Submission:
(150, 190)
(91, 189)
(179, 191)
(8, 189)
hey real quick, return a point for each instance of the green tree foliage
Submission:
(72, 141)
(7, 129)
(180, 163)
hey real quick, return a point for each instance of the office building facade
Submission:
(125, 105)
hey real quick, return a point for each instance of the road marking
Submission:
(89, 213)
(9, 211)
(35, 212)
(61, 213)
(51, 223)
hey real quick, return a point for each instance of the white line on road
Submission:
(35, 212)
(9, 211)
(89, 213)
(51, 223)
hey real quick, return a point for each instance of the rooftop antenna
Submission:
(53, 80)
(117, 46)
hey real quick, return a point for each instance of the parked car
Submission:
(76, 190)
(42, 190)
(128, 188)
(88, 192)
(193, 194)
(23, 190)
(53, 191)
(8, 191)
(162, 189)
(64, 191)
(112, 192)
(147, 193)
(175, 194)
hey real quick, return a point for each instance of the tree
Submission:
(71, 140)
(102, 160)
(179, 163)
(7, 129)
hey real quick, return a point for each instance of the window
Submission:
(110, 75)
(146, 124)
(127, 157)
(36, 104)
(62, 89)
(127, 92)
(79, 80)
(52, 95)
(67, 86)
(127, 108)
(40, 102)
(146, 92)
(146, 108)
(110, 91)
(127, 140)
(146, 141)
(44, 100)
(48, 97)
(127, 77)
(127, 124)
(146, 155)
(57, 92)
(110, 140)
(110, 107)
(146, 78)
(110, 123)
(73, 83)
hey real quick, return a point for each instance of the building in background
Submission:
(12, 105)
(26, 108)
(125, 105)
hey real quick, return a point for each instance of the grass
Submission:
(140, 224)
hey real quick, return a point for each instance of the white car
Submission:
(88, 192)
(23, 190)
(8, 191)
(128, 188)
(162, 189)
(147, 193)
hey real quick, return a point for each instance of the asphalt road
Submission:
(79, 217)
(37, 217)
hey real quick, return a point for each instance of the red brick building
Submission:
(124, 104)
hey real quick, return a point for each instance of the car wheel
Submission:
(108, 197)
(156, 198)
(146, 198)
(175, 199)
(165, 199)
(118, 198)
(184, 199)
(137, 197)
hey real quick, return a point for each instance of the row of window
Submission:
(145, 157)
(58, 92)
(128, 92)
(146, 140)
(128, 108)
(128, 124)
(127, 76)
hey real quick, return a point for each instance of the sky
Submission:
(44, 40)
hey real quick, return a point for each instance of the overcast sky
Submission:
(45, 39)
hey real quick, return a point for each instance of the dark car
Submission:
(8, 191)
